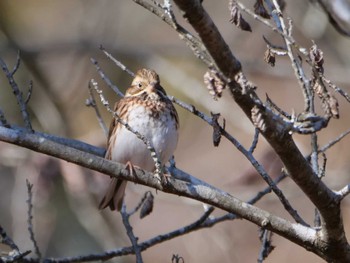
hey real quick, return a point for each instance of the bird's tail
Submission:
(114, 195)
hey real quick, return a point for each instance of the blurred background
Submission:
(56, 40)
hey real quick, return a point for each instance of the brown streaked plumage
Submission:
(147, 110)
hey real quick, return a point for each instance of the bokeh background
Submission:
(56, 40)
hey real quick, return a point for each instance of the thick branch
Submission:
(210, 35)
(202, 192)
(274, 130)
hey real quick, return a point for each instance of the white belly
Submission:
(161, 132)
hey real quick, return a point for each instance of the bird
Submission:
(147, 109)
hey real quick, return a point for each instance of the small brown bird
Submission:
(147, 109)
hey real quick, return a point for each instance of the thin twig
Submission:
(117, 62)
(333, 142)
(30, 219)
(255, 141)
(76, 144)
(169, 11)
(273, 28)
(3, 120)
(91, 102)
(136, 208)
(203, 222)
(17, 92)
(106, 79)
(17, 64)
(267, 190)
(130, 233)
(298, 70)
(289, 41)
(336, 88)
(266, 246)
(255, 164)
(130, 250)
(5, 239)
(14, 255)
(196, 45)
(343, 192)
(30, 91)
(273, 106)
(229, 216)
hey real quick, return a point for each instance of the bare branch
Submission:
(91, 102)
(337, 89)
(249, 156)
(130, 233)
(3, 120)
(30, 91)
(265, 176)
(276, 133)
(327, 240)
(296, 63)
(30, 219)
(272, 27)
(5, 239)
(193, 42)
(17, 92)
(266, 245)
(117, 62)
(333, 142)
(255, 141)
(273, 106)
(267, 190)
(17, 64)
(106, 79)
(129, 250)
(141, 203)
(342, 193)
(13, 256)
(210, 195)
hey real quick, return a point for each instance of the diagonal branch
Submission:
(202, 192)
(19, 95)
(30, 219)
(129, 250)
(275, 131)
(130, 233)
(165, 13)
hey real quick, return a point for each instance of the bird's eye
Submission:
(139, 85)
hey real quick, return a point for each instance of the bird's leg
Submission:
(162, 176)
(131, 168)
